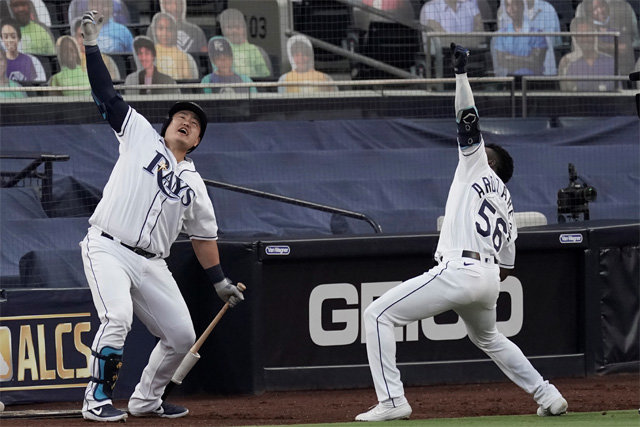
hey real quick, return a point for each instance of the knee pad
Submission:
(109, 362)
(468, 127)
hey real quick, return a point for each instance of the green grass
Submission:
(577, 419)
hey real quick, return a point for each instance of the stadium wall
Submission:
(300, 326)
(385, 104)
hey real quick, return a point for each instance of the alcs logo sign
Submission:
(351, 318)
(38, 351)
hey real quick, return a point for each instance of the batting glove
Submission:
(228, 292)
(91, 24)
(459, 57)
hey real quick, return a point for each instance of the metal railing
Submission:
(13, 178)
(375, 85)
(430, 35)
(297, 202)
(415, 87)
(527, 79)
(356, 57)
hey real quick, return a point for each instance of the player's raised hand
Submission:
(459, 57)
(228, 292)
(91, 24)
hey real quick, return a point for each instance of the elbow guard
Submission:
(468, 127)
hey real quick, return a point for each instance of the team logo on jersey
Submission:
(170, 184)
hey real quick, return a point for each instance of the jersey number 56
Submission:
(497, 230)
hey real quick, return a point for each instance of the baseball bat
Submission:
(192, 356)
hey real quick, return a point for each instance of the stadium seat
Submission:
(530, 219)
(58, 12)
(125, 62)
(391, 43)
(48, 65)
(59, 30)
(327, 20)
(41, 74)
(193, 65)
(204, 64)
(565, 11)
(269, 64)
(4, 10)
(138, 29)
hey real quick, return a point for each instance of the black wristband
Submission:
(215, 273)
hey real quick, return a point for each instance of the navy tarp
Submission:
(397, 172)
(20, 237)
(20, 203)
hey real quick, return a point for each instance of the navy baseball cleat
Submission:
(165, 410)
(459, 56)
(104, 413)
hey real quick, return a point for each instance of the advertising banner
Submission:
(45, 339)
(317, 291)
(45, 346)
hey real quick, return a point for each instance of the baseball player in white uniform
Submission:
(476, 250)
(153, 194)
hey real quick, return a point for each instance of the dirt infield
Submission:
(598, 393)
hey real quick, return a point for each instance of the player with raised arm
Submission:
(154, 193)
(476, 250)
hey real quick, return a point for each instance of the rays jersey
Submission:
(150, 198)
(479, 213)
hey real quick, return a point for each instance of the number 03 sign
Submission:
(266, 23)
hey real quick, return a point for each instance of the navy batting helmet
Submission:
(189, 106)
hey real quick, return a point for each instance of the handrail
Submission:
(371, 82)
(526, 79)
(377, 89)
(31, 171)
(429, 35)
(297, 202)
(354, 56)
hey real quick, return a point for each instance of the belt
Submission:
(138, 251)
(477, 256)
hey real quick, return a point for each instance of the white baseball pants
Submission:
(471, 289)
(123, 283)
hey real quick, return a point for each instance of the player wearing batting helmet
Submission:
(476, 250)
(186, 106)
(154, 193)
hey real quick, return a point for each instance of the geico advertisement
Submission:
(344, 326)
(44, 351)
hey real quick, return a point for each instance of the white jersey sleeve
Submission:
(200, 219)
(136, 129)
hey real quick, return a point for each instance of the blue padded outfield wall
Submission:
(397, 172)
